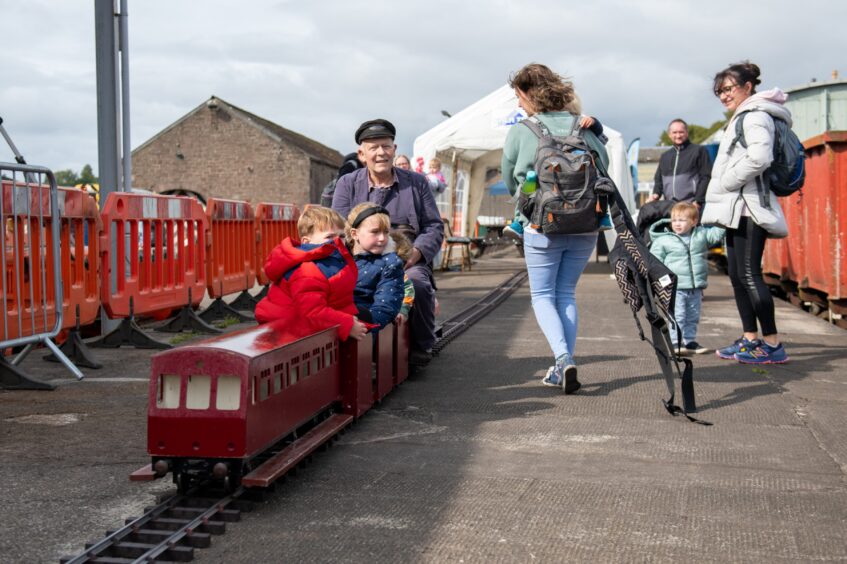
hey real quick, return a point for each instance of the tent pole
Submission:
(454, 180)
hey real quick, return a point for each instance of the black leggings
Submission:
(744, 248)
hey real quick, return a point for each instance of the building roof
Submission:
(651, 154)
(316, 151)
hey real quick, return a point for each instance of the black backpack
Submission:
(565, 201)
(787, 172)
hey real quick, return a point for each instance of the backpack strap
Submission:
(739, 131)
(540, 130)
(536, 126)
(576, 129)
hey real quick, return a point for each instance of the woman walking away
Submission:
(739, 199)
(554, 262)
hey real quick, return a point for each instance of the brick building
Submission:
(220, 150)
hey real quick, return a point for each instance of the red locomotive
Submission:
(248, 406)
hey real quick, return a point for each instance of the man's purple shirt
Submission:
(409, 201)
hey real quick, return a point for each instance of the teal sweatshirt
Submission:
(687, 261)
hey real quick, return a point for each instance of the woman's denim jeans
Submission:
(555, 264)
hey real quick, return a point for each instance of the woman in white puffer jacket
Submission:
(733, 201)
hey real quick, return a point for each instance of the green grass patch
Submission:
(182, 337)
(226, 322)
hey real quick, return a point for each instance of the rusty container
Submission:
(824, 218)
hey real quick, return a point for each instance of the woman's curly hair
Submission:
(548, 91)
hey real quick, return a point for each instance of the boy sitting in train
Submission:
(313, 281)
(379, 290)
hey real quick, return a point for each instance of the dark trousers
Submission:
(744, 249)
(422, 316)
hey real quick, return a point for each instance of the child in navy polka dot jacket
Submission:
(379, 289)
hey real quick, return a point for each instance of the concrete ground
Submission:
(473, 460)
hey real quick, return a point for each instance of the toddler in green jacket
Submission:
(682, 246)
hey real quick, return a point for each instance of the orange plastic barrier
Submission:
(29, 283)
(232, 253)
(81, 226)
(159, 257)
(274, 222)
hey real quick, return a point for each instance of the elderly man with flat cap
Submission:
(410, 203)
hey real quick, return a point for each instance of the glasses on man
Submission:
(725, 90)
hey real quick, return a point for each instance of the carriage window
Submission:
(168, 394)
(229, 393)
(264, 386)
(197, 392)
(295, 373)
(328, 357)
(277, 382)
(315, 364)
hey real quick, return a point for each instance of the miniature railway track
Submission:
(462, 321)
(170, 531)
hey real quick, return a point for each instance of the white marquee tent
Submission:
(473, 140)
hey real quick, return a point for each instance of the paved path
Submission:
(474, 460)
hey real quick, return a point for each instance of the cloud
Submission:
(321, 68)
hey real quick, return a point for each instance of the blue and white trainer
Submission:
(553, 378)
(514, 231)
(763, 354)
(568, 369)
(740, 345)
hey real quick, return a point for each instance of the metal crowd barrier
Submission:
(32, 281)
(79, 257)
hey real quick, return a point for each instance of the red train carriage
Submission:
(245, 407)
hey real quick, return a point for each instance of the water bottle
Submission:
(531, 183)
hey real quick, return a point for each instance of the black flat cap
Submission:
(375, 129)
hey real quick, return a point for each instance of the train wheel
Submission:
(183, 482)
(233, 481)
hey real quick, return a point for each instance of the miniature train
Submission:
(244, 408)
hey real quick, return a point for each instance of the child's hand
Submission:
(586, 121)
(400, 317)
(358, 331)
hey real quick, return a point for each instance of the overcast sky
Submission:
(321, 67)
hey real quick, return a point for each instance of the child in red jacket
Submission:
(313, 282)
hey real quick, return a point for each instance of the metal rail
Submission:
(462, 321)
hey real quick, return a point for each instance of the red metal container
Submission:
(812, 259)
(825, 216)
